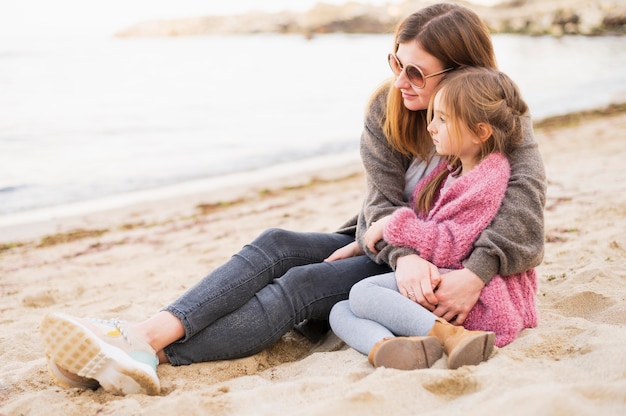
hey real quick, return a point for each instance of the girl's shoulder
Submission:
(495, 160)
(494, 168)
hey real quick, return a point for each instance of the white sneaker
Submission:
(106, 351)
(69, 380)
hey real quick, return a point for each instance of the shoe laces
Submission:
(115, 322)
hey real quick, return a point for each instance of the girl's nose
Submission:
(431, 127)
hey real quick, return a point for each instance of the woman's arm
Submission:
(514, 241)
(385, 173)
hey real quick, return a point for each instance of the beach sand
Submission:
(129, 262)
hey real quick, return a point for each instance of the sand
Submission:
(133, 260)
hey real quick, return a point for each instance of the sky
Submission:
(37, 17)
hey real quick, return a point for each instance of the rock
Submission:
(528, 17)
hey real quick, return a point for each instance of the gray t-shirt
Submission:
(417, 171)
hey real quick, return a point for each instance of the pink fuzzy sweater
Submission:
(446, 236)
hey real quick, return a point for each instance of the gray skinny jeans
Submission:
(376, 310)
(274, 283)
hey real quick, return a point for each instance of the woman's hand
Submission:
(457, 293)
(417, 279)
(375, 233)
(351, 250)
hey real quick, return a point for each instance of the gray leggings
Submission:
(376, 310)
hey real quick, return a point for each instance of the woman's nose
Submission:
(402, 82)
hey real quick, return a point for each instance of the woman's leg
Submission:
(303, 292)
(116, 346)
(257, 264)
(231, 285)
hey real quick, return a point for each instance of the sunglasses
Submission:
(413, 72)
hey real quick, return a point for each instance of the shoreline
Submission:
(35, 223)
(18, 228)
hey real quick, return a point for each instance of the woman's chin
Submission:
(414, 105)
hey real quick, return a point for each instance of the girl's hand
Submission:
(351, 250)
(375, 233)
(458, 292)
(417, 279)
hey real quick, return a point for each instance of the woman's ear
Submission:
(483, 131)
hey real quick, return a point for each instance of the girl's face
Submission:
(412, 53)
(444, 133)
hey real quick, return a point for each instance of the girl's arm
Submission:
(445, 237)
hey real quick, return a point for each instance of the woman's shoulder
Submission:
(378, 100)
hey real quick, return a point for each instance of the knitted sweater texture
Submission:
(446, 236)
(512, 243)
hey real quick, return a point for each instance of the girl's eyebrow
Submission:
(439, 111)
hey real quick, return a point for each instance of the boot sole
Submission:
(408, 353)
(77, 349)
(472, 351)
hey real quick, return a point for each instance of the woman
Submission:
(281, 279)
(476, 120)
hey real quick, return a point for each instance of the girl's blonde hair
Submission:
(457, 37)
(472, 96)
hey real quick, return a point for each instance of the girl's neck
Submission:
(468, 163)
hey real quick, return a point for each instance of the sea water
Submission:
(87, 118)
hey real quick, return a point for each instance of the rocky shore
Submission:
(528, 17)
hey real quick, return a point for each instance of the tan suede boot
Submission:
(405, 353)
(463, 347)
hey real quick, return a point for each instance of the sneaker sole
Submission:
(408, 353)
(67, 383)
(472, 351)
(78, 350)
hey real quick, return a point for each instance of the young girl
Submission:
(475, 121)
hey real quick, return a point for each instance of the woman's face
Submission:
(413, 53)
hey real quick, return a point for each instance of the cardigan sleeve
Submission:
(446, 235)
(385, 171)
(514, 241)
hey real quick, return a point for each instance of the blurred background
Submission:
(98, 100)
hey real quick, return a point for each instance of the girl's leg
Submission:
(376, 310)
(360, 334)
(379, 299)
(303, 292)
